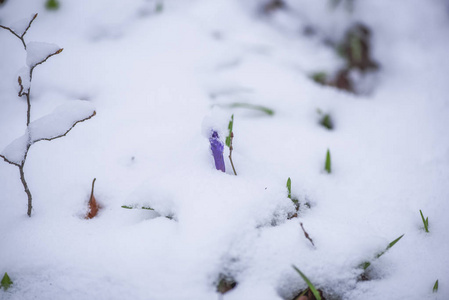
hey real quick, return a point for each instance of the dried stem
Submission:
(230, 152)
(60, 136)
(20, 37)
(92, 192)
(27, 93)
(307, 235)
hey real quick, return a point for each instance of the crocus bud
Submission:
(217, 150)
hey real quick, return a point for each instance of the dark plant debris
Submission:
(308, 295)
(225, 283)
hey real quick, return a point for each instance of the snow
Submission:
(37, 52)
(20, 26)
(48, 127)
(159, 83)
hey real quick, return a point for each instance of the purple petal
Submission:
(217, 151)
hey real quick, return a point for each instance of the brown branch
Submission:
(9, 162)
(23, 34)
(60, 136)
(29, 25)
(27, 190)
(230, 151)
(307, 235)
(41, 62)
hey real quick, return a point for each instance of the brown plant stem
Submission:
(307, 235)
(230, 152)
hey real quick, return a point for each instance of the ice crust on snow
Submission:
(47, 127)
(39, 51)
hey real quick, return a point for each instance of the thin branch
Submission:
(10, 30)
(27, 190)
(9, 162)
(230, 152)
(307, 235)
(60, 136)
(29, 25)
(23, 34)
(41, 62)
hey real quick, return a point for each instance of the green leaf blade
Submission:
(6, 282)
(289, 188)
(435, 286)
(230, 127)
(327, 165)
(311, 286)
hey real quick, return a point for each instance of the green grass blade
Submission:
(425, 221)
(326, 121)
(230, 126)
(311, 286)
(356, 48)
(261, 108)
(389, 246)
(319, 77)
(289, 188)
(133, 207)
(435, 286)
(52, 5)
(327, 165)
(6, 282)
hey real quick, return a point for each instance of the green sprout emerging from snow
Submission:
(366, 264)
(309, 283)
(230, 126)
(52, 5)
(134, 207)
(289, 189)
(435, 286)
(425, 221)
(327, 165)
(6, 282)
(319, 77)
(261, 108)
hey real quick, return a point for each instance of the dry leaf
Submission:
(93, 205)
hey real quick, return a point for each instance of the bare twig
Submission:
(9, 162)
(41, 62)
(60, 136)
(307, 235)
(230, 152)
(23, 34)
(27, 93)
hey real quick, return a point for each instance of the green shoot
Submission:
(289, 188)
(159, 7)
(356, 48)
(52, 4)
(228, 142)
(326, 121)
(311, 286)
(319, 77)
(366, 264)
(327, 165)
(134, 207)
(261, 108)
(425, 221)
(230, 126)
(435, 286)
(6, 282)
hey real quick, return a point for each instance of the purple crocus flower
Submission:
(217, 150)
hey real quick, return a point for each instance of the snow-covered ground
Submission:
(161, 75)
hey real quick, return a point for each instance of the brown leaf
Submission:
(93, 205)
